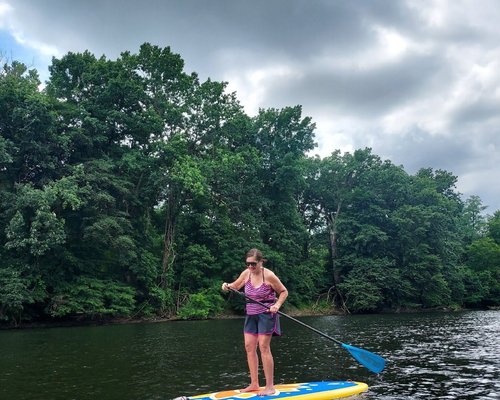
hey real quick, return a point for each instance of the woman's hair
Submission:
(257, 254)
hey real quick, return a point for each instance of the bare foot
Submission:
(267, 391)
(251, 388)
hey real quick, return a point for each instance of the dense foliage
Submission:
(130, 188)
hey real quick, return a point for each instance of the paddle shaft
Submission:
(290, 317)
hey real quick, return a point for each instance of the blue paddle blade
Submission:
(373, 362)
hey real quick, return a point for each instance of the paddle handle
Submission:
(289, 317)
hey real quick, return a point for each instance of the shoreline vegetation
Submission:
(129, 187)
(294, 312)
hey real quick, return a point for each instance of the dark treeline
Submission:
(131, 188)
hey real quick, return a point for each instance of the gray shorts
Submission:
(263, 324)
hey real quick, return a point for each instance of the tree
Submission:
(482, 276)
(335, 185)
(474, 221)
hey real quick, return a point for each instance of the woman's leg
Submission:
(267, 364)
(251, 342)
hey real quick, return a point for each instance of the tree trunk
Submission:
(332, 228)
(168, 244)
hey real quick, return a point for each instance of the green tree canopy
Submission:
(129, 187)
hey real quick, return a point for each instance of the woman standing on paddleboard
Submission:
(261, 323)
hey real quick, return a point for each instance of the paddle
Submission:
(372, 361)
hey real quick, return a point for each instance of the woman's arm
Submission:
(238, 283)
(279, 288)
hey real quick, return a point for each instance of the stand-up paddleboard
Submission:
(294, 391)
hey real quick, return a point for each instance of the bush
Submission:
(93, 297)
(202, 305)
(15, 293)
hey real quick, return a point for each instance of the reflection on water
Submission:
(446, 356)
(429, 356)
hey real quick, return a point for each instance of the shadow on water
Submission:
(429, 356)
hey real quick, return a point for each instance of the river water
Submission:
(429, 356)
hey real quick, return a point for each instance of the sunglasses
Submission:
(251, 264)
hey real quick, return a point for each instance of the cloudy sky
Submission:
(418, 81)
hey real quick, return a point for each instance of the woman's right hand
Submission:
(226, 287)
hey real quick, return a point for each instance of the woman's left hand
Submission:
(274, 308)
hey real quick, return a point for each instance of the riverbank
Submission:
(98, 321)
(292, 311)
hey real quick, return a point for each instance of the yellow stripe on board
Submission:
(332, 394)
(283, 392)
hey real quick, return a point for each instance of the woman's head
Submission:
(254, 258)
(255, 253)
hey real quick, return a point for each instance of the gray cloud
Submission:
(475, 162)
(481, 111)
(200, 30)
(362, 92)
(419, 149)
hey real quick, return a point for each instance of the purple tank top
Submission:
(264, 293)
